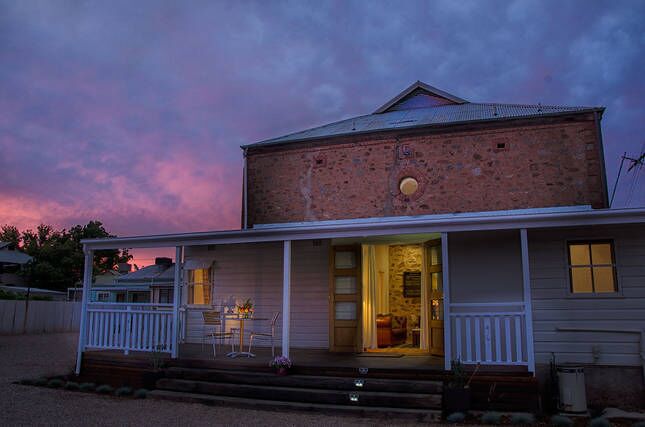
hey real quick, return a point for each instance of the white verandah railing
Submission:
(130, 327)
(489, 333)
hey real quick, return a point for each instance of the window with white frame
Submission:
(592, 267)
(200, 286)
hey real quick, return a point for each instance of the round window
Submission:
(408, 185)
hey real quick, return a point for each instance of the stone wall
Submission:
(539, 163)
(404, 258)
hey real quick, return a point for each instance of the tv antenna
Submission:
(635, 163)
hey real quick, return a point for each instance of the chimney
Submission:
(166, 262)
(124, 268)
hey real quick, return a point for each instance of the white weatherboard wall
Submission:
(255, 271)
(485, 267)
(554, 306)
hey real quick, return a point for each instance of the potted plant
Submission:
(456, 394)
(246, 309)
(281, 364)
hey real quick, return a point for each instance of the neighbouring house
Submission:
(124, 285)
(11, 262)
(462, 230)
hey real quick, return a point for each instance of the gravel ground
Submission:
(32, 356)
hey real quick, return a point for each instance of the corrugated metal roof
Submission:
(14, 257)
(151, 273)
(422, 117)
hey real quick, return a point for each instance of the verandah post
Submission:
(175, 301)
(286, 296)
(447, 324)
(87, 284)
(528, 305)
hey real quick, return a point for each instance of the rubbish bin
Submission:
(571, 382)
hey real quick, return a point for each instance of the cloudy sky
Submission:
(133, 112)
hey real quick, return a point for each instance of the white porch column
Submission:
(179, 250)
(447, 324)
(286, 297)
(528, 306)
(87, 285)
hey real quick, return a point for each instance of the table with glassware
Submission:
(242, 319)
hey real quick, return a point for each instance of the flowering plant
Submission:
(280, 362)
(246, 309)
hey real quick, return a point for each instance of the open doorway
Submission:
(402, 300)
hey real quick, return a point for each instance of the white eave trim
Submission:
(380, 227)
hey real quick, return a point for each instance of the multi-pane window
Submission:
(592, 267)
(199, 286)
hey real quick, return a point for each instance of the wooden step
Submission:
(305, 395)
(421, 415)
(307, 381)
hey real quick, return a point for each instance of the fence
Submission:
(130, 327)
(490, 333)
(37, 317)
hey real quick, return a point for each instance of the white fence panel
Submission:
(38, 317)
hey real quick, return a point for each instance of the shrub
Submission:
(104, 389)
(456, 417)
(599, 422)
(71, 385)
(26, 381)
(123, 391)
(561, 421)
(639, 424)
(492, 418)
(522, 419)
(40, 381)
(87, 387)
(55, 383)
(141, 393)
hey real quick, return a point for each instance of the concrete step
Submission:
(306, 381)
(305, 395)
(385, 412)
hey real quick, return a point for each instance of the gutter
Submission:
(640, 332)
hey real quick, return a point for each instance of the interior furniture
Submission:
(269, 336)
(416, 337)
(214, 330)
(391, 330)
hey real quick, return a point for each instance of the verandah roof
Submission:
(471, 221)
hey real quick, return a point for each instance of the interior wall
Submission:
(404, 258)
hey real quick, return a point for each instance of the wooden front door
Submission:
(434, 282)
(345, 298)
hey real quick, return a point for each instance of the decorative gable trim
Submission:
(419, 86)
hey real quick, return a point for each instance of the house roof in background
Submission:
(150, 274)
(400, 113)
(4, 244)
(14, 257)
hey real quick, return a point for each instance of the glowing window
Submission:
(408, 186)
(592, 267)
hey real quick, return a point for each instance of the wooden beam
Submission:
(179, 250)
(447, 325)
(528, 306)
(286, 297)
(87, 285)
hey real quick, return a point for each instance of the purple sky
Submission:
(133, 112)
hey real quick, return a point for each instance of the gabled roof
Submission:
(150, 274)
(421, 105)
(443, 115)
(14, 257)
(417, 90)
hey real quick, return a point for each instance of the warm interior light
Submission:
(408, 185)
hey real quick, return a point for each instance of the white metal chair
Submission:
(268, 336)
(214, 321)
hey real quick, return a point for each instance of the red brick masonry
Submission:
(511, 165)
